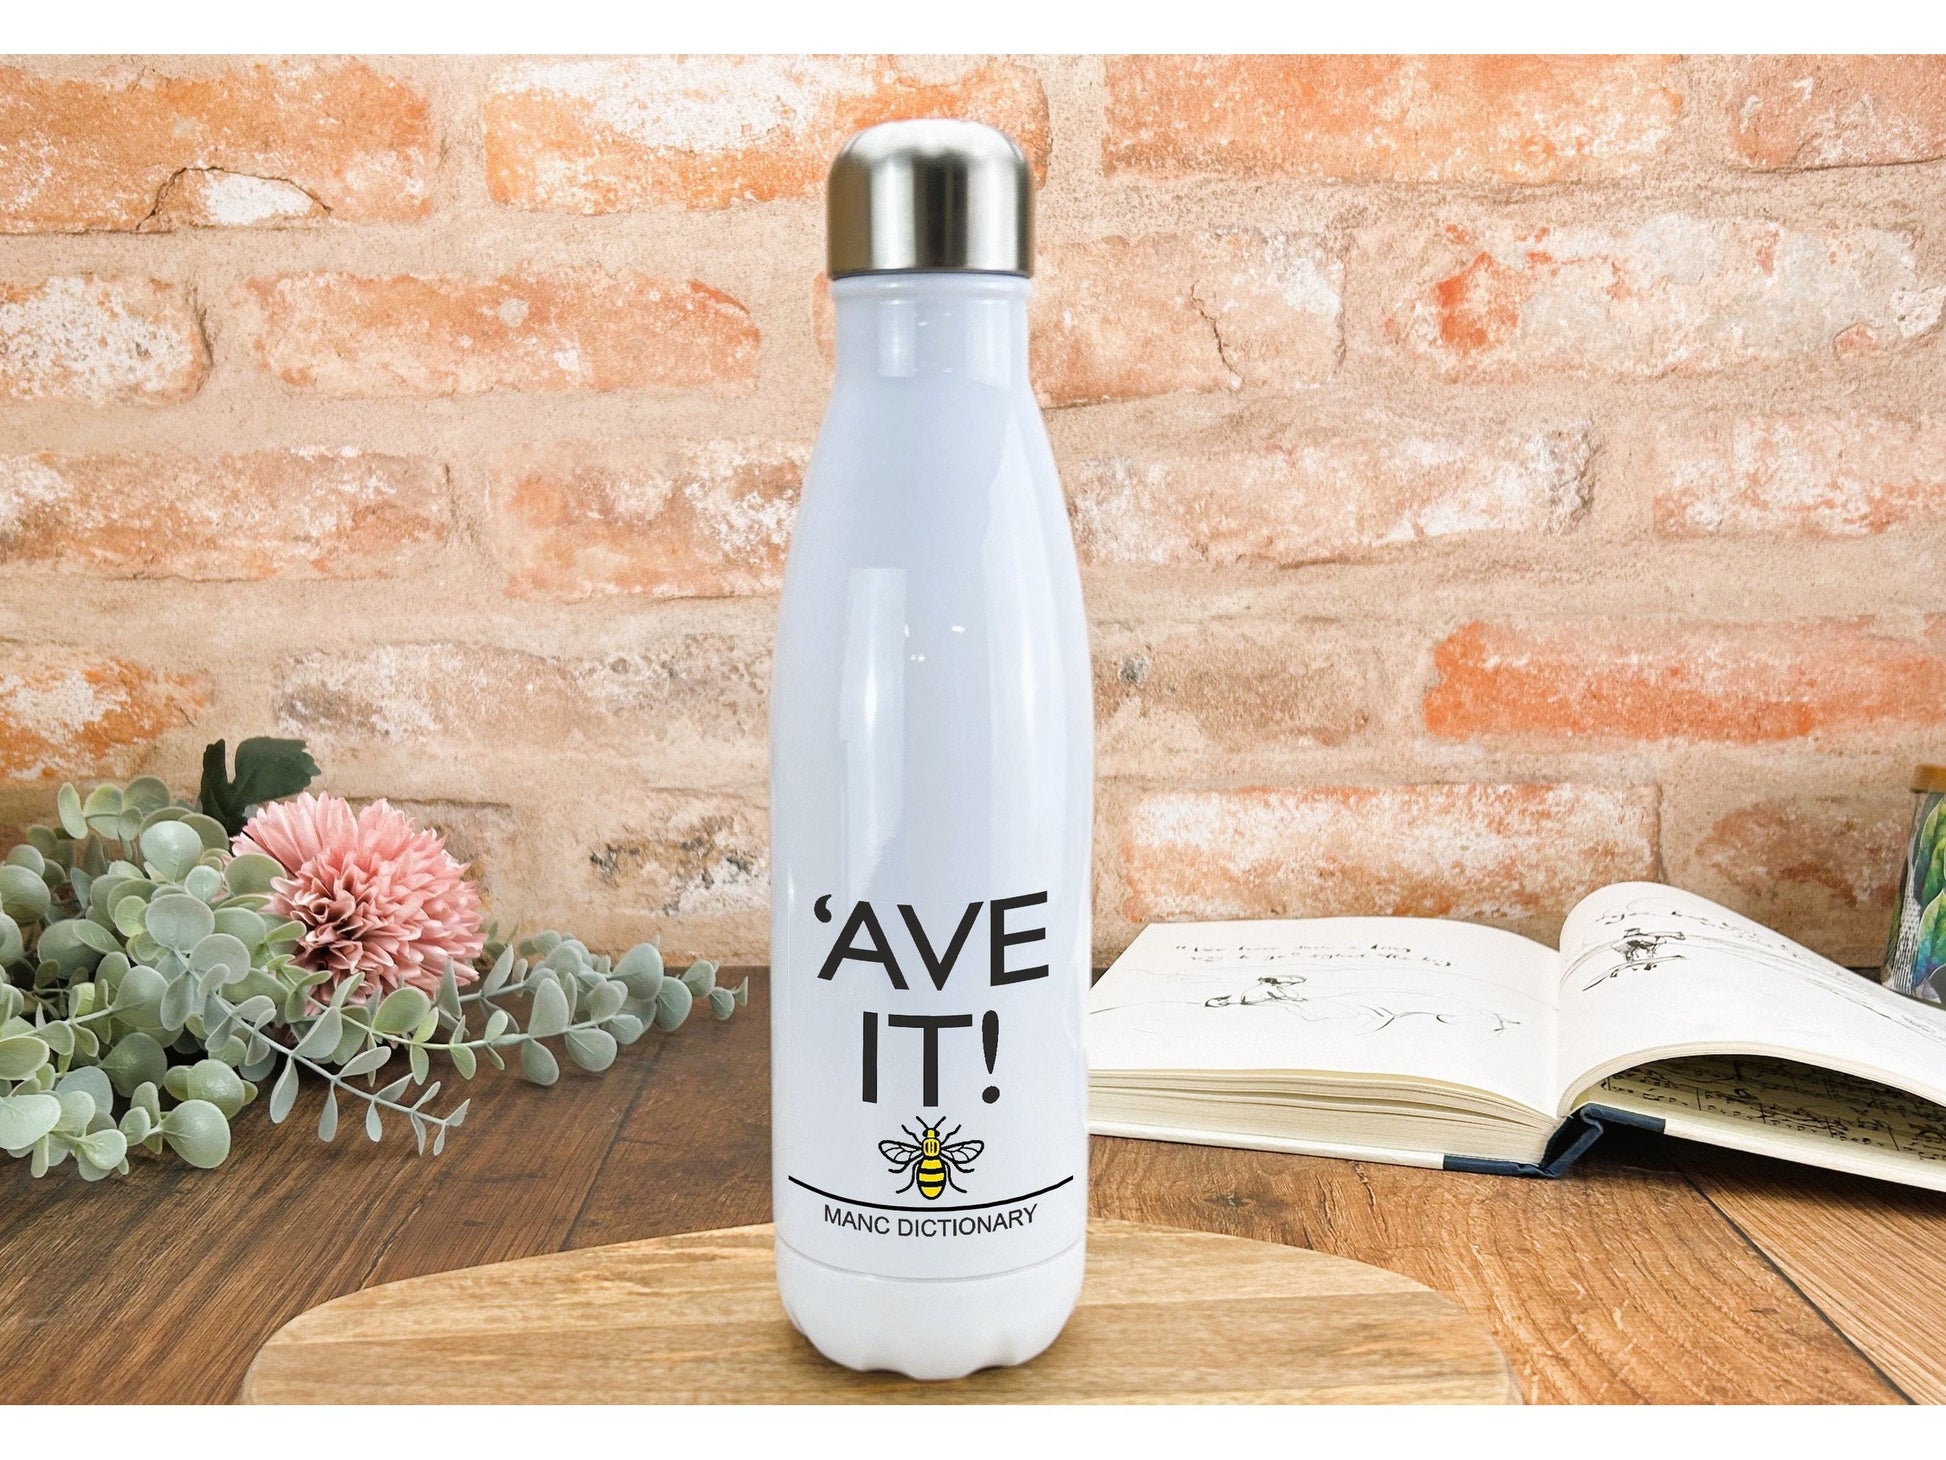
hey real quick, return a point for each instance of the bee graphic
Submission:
(932, 1158)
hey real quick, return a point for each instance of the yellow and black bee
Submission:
(932, 1158)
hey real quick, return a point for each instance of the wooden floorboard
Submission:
(1867, 1253)
(1617, 1284)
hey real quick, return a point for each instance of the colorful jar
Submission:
(1915, 958)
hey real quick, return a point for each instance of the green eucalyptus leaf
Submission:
(103, 1149)
(374, 1127)
(700, 976)
(205, 884)
(321, 1039)
(103, 803)
(606, 1001)
(242, 924)
(27, 855)
(366, 1062)
(170, 849)
(141, 987)
(252, 872)
(328, 1117)
(145, 794)
(592, 1049)
(537, 1063)
(221, 1086)
(401, 1011)
(135, 1124)
(197, 1132)
(21, 1055)
(24, 896)
(214, 838)
(283, 1094)
(78, 1108)
(13, 946)
(625, 1027)
(223, 951)
(67, 804)
(135, 1060)
(25, 1118)
(420, 1062)
(722, 1003)
(550, 1014)
(464, 1060)
(672, 1004)
(130, 916)
(69, 945)
(179, 921)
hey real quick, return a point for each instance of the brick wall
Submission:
(1494, 476)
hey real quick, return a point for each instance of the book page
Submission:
(1420, 1000)
(1651, 972)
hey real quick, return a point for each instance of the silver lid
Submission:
(932, 195)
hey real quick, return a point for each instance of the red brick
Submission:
(707, 689)
(1120, 318)
(1519, 119)
(71, 713)
(1656, 680)
(1820, 869)
(257, 514)
(600, 136)
(100, 341)
(445, 334)
(1324, 496)
(704, 521)
(691, 870)
(1814, 475)
(1504, 853)
(112, 150)
(1837, 111)
(1675, 294)
(1167, 694)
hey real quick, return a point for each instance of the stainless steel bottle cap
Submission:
(933, 195)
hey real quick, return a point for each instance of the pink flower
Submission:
(376, 895)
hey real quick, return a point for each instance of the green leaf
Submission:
(592, 1049)
(366, 1062)
(283, 1094)
(672, 1004)
(170, 849)
(214, 837)
(700, 976)
(328, 1117)
(267, 769)
(420, 1062)
(69, 944)
(321, 1039)
(401, 1011)
(145, 794)
(25, 1118)
(178, 921)
(203, 883)
(67, 802)
(374, 1127)
(464, 1060)
(104, 1149)
(606, 1001)
(221, 1086)
(550, 1014)
(23, 894)
(537, 1063)
(245, 926)
(21, 1055)
(722, 1003)
(197, 1132)
(13, 947)
(252, 872)
(448, 998)
(135, 1060)
(222, 955)
(497, 976)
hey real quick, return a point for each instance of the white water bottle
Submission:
(931, 795)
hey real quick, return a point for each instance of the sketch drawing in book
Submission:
(1441, 1043)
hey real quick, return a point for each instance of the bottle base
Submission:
(940, 1328)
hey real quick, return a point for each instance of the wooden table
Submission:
(1657, 1271)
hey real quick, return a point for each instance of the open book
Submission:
(1448, 1044)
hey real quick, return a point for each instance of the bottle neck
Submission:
(901, 326)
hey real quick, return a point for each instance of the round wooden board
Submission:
(1166, 1316)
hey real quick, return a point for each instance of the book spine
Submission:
(1577, 1133)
